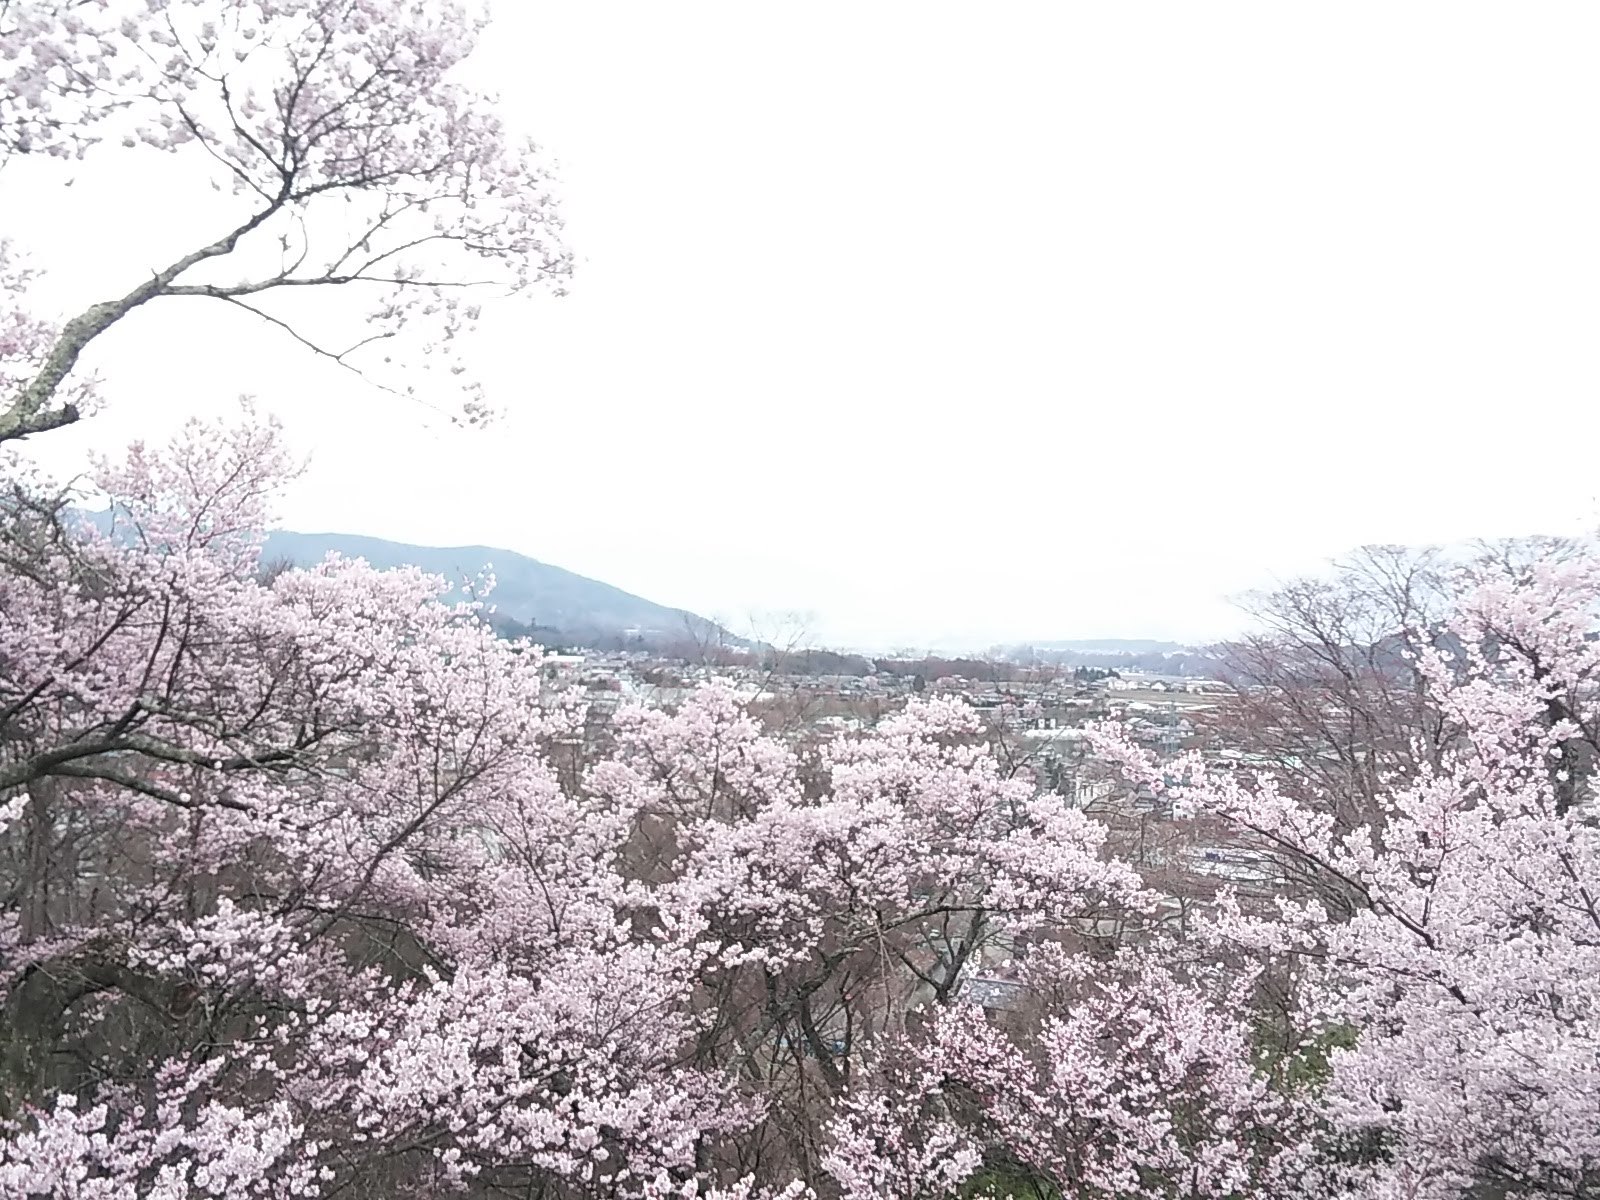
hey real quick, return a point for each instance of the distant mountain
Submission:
(546, 602)
(1115, 654)
(1114, 646)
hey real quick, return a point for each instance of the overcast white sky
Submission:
(971, 322)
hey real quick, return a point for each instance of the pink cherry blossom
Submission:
(350, 154)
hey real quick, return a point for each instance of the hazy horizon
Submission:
(781, 628)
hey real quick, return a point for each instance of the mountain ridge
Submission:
(541, 599)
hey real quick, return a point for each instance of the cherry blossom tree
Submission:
(1125, 1076)
(291, 899)
(348, 152)
(826, 894)
(1454, 944)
